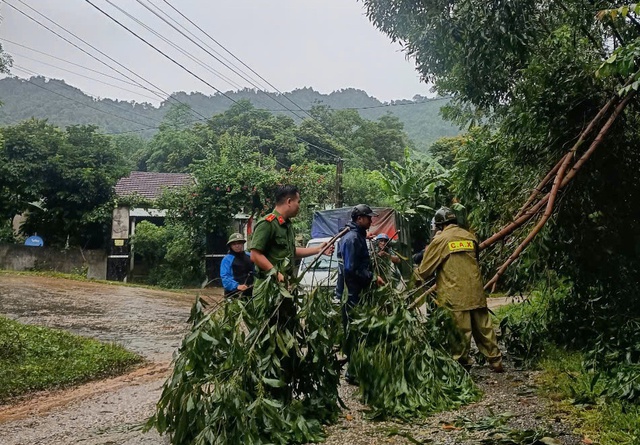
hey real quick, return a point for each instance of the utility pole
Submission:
(339, 167)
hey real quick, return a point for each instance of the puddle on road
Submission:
(148, 322)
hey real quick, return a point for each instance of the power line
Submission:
(196, 37)
(286, 108)
(232, 55)
(77, 65)
(324, 150)
(73, 44)
(169, 57)
(123, 118)
(158, 50)
(235, 71)
(81, 75)
(266, 81)
(254, 72)
(108, 103)
(335, 155)
(178, 48)
(435, 99)
(166, 97)
(387, 105)
(31, 73)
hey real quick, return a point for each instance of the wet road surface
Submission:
(148, 322)
(109, 412)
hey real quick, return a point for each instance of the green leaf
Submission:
(274, 383)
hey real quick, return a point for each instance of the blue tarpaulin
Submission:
(327, 223)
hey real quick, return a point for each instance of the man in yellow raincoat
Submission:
(453, 257)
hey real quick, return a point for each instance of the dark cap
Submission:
(362, 210)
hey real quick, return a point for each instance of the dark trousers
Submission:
(353, 298)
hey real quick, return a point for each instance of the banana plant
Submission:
(416, 189)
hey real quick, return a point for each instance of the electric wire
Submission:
(258, 75)
(104, 63)
(108, 103)
(326, 151)
(196, 37)
(235, 71)
(31, 73)
(335, 155)
(176, 47)
(159, 50)
(77, 65)
(81, 75)
(166, 96)
(238, 70)
(232, 55)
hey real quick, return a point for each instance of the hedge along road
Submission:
(148, 322)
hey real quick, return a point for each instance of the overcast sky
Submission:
(323, 44)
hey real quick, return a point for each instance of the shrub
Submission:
(172, 252)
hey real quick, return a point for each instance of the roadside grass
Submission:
(579, 394)
(34, 358)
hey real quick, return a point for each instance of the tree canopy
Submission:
(62, 179)
(546, 84)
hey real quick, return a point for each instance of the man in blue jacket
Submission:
(355, 273)
(236, 269)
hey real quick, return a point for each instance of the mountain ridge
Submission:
(60, 103)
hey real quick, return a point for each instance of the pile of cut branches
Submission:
(242, 376)
(400, 357)
(260, 371)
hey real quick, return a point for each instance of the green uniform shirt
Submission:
(274, 237)
(452, 257)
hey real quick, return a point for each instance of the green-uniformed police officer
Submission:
(273, 248)
(453, 257)
(273, 251)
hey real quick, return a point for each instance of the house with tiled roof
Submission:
(149, 186)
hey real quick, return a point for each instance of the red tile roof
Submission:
(149, 184)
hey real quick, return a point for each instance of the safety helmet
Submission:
(444, 215)
(235, 237)
(382, 237)
(362, 210)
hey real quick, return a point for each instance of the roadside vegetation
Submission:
(582, 395)
(34, 358)
(596, 401)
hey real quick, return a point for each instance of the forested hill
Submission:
(61, 104)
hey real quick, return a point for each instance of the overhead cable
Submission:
(31, 73)
(233, 55)
(13, 53)
(167, 96)
(158, 50)
(76, 64)
(235, 71)
(176, 47)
